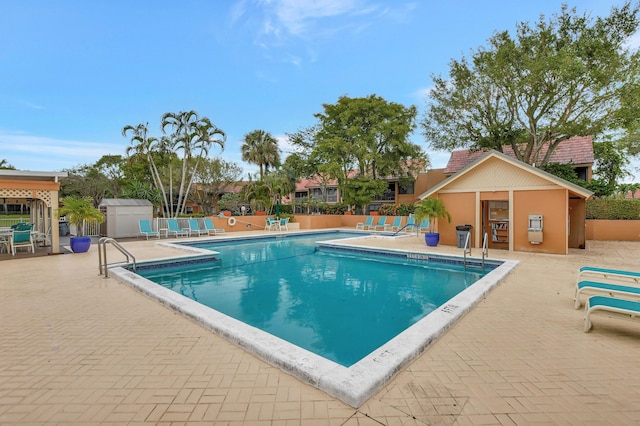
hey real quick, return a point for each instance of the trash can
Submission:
(63, 228)
(461, 233)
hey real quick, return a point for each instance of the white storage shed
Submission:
(122, 216)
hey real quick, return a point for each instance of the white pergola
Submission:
(38, 190)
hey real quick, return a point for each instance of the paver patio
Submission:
(77, 348)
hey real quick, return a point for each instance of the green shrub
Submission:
(613, 209)
(403, 209)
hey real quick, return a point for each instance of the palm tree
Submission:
(193, 136)
(260, 148)
(142, 145)
(5, 165)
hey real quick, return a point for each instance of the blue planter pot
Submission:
(80, 244)
(432, 239)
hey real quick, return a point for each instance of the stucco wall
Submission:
(613, 230)
(552, 204)
(462, 207)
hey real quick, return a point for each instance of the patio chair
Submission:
(22, 239)
(283, 224)
(626, 309)
(6, 236)
(366, 225)
(612, 290)
(174, 229)
(194, 228)
(146, 230)
(271, 224)
(42, 238)
(212, 230)
(396, 225)
(382, 223)
(424, 226)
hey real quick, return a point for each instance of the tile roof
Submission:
(578, 149)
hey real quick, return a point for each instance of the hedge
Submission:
(613, 209)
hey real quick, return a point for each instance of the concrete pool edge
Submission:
(353, 385)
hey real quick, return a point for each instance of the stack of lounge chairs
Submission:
(615, 293)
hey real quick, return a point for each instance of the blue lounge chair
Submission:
(146, 230)
(605, 272)
(411, 224)
(174, 229)
(627, 309)
(424, 226)
(381, 223)
(396, 225)
(366, 225)
(194, 228)
(208, 224)
(612, 290)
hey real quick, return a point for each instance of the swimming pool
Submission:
(355, 383)
(318, 299)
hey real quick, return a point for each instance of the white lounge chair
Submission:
(396, 225)
(146, 230)
(194, 228)
(607, 273)
(174, 229)
(612, 290)
(382, 223)
(208, 224)
(626, 309)
(366, 225)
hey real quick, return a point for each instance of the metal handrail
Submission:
(467, 248)
(402, 229)
(102, 255)
(485, 247)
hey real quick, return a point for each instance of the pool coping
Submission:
(353, 385)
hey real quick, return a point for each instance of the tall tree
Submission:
(260, 148)
(370, 135)
(192, 138)
(562, 77)
(147, 147)
(5, 165)
(214, 177)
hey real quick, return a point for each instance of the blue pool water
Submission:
(339, 304)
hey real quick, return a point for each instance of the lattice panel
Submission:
(498, 175)
(41, 194)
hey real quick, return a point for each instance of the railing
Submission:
(485, 247)
(7, 222)
(467, 247)
(102, 255)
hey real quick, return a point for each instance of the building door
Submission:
(495, 223)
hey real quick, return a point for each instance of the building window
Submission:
(405, 188)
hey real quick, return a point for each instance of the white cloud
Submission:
(28, 152)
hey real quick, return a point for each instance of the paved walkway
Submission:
(76, 348)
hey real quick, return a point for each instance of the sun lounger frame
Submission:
(610, 289)
(621, 308)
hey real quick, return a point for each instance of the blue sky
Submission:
(74, 73)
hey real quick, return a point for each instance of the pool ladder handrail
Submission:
(467, 247)
(402, 229)
(102, 255)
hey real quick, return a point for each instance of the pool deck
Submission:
(77, 348)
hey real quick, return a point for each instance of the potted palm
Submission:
(78, 210)
(431, 208)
